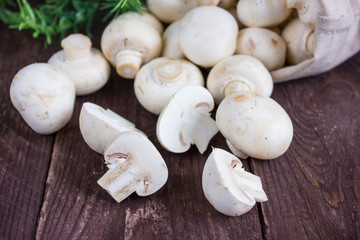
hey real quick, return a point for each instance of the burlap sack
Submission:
(336, 38)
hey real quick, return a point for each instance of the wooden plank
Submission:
(25, 155)
(313, 189)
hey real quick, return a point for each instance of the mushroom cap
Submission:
(157, 81)
(208, 35)
(146, 17)
(170, 11)
(44, 97)
(148, 165)
(262, 13)
(242, 68)
(130, 34)
(228, 187)
(263, 44)
(99, 126)
(170, 124)
(171, 45)
(299, 39)
(257, 126)
(89, 72)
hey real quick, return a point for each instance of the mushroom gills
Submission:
(198, 128)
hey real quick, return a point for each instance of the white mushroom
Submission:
(145, 17)
(208, 35)
(171, 44)
(158, 80)
(239, 73)
(308, 10)
(44, 97)
(129, 43)
(264, 13)
(263, 44)
(99, 126)
(299, 39)
(186, 120)
(170, 11)
(228, 187)
(86, 66)
(135, 165)
(257, 126)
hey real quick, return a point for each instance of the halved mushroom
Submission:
(135, 165)
(228, 187)
(86, 66)
(256, 126)
(157, 81)
(239, 73)
(99, 126)
(186, 120)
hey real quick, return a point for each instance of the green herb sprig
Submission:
(57, 17)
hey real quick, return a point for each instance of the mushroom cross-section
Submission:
(228, 187)
(158, 80)
(186, 120)
(99, 126)
(135, 165)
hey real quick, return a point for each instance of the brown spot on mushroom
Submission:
(274, 42)
(141, 90)
(252, 44)
(16, 77)
(181, 137)
(234, 163)
(241, 98)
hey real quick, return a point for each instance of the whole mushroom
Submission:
(265, 13)
(299, 39)
(86, 66)
(208, 35)
(158, 80)
(253, 124)
(171, 44)
(263, 44)
(129, 43)
(44, 97)
(170, 11)
(228, 187)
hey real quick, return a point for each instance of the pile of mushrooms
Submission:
(237, 42)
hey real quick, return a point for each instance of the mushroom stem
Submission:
(236, 86)
(250, 182)
(170, 71)
(76, 47)
(122, 178)
(128, 63)
(198, 128)
(299, 5)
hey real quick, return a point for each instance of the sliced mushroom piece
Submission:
(228, 187)
(186, 120)
(99, 126)
(256, 126)
(135, 165)
(157, 81)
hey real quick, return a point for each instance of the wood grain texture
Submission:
(314, 188)
(24, 154)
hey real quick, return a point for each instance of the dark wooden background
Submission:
(48, 186)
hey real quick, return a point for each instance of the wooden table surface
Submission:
(48, 186)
